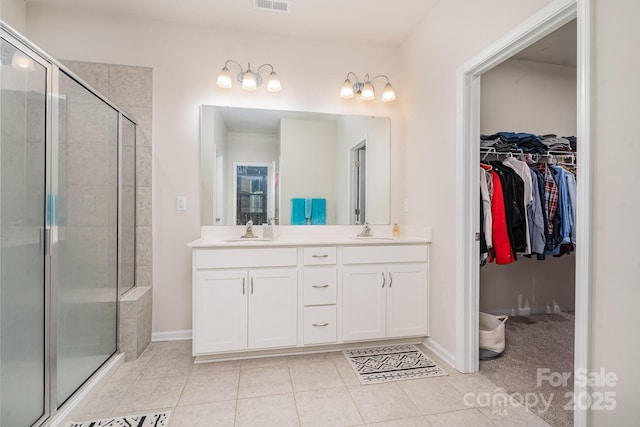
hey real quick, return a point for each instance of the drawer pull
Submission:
(390, 279)
(320, 325)
(384, 279)
(243, 284)
(319, 286)
(252, 286)
(320, 256)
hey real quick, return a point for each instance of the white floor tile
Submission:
(327, 408)
(382, 402)
(218, 414)
(264, 382)
(265, 411)
(223, 386)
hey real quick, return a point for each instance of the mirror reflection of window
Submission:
(251, 193)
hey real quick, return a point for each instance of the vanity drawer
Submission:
(320, 324)
(384, 254)
(253, 257)
(320, 285)
(320, 255)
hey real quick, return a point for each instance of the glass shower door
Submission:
(23, 89)
(85, 261)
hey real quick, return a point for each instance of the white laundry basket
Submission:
(492, 339)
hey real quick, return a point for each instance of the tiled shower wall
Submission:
(130, 88)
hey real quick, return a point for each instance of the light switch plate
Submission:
(181, 203)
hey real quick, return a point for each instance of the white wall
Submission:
(525, 96)
(453, 33)
(185, 61)
(307, 147)
(616, 203)
(13, 13)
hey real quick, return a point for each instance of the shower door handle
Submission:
(45, 237)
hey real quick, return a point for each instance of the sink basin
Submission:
(240, 239)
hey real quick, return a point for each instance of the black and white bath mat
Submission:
(150, 420)
(391, 363)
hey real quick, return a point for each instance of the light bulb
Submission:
(367, 91)
(273, 83)
(347, 89)
(224, 78)
(388, 94)
(22, 62)
(249, 81)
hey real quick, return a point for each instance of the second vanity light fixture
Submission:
(365, 88)
(249, 80)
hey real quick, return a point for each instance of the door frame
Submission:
(355, 188)
(535, 28)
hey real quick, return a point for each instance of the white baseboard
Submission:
(172, 335)
(439, 351)
(525, 311)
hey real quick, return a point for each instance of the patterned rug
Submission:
(391, 363)
(149, 420)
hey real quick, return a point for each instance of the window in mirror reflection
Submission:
(253, 193)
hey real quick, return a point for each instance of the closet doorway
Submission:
(532, 93)
(548, 20)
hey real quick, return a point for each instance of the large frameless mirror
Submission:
(292, 167)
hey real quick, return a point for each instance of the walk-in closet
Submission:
(528, 122)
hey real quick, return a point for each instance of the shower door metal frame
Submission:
(52, 115)
(14, 39)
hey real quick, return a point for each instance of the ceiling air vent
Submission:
(273, 5)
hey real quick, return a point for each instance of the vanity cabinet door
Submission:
(220, 311)
(273, 307)
(407, 300)
(364, 302)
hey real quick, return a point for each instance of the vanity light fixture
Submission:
(365, 88)
(249, 79)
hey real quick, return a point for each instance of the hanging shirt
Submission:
(563, 203)
(572, 191)
(486, 204)
(522, 169)
(536, 218)
(550, 194)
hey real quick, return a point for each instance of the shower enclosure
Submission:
(67, 230)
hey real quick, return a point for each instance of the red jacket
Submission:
(501, 244)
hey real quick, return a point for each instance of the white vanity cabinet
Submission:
(279, 297)
(320, 295)
(244, 308)
(385, 292)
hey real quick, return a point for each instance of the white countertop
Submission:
(227, 237)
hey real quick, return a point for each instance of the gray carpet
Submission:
(532, 342)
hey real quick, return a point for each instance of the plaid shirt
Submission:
(550, 194)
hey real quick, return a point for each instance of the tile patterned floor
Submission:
(305, 390)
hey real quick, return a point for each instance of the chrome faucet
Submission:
(249, 233)
(366, 231)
